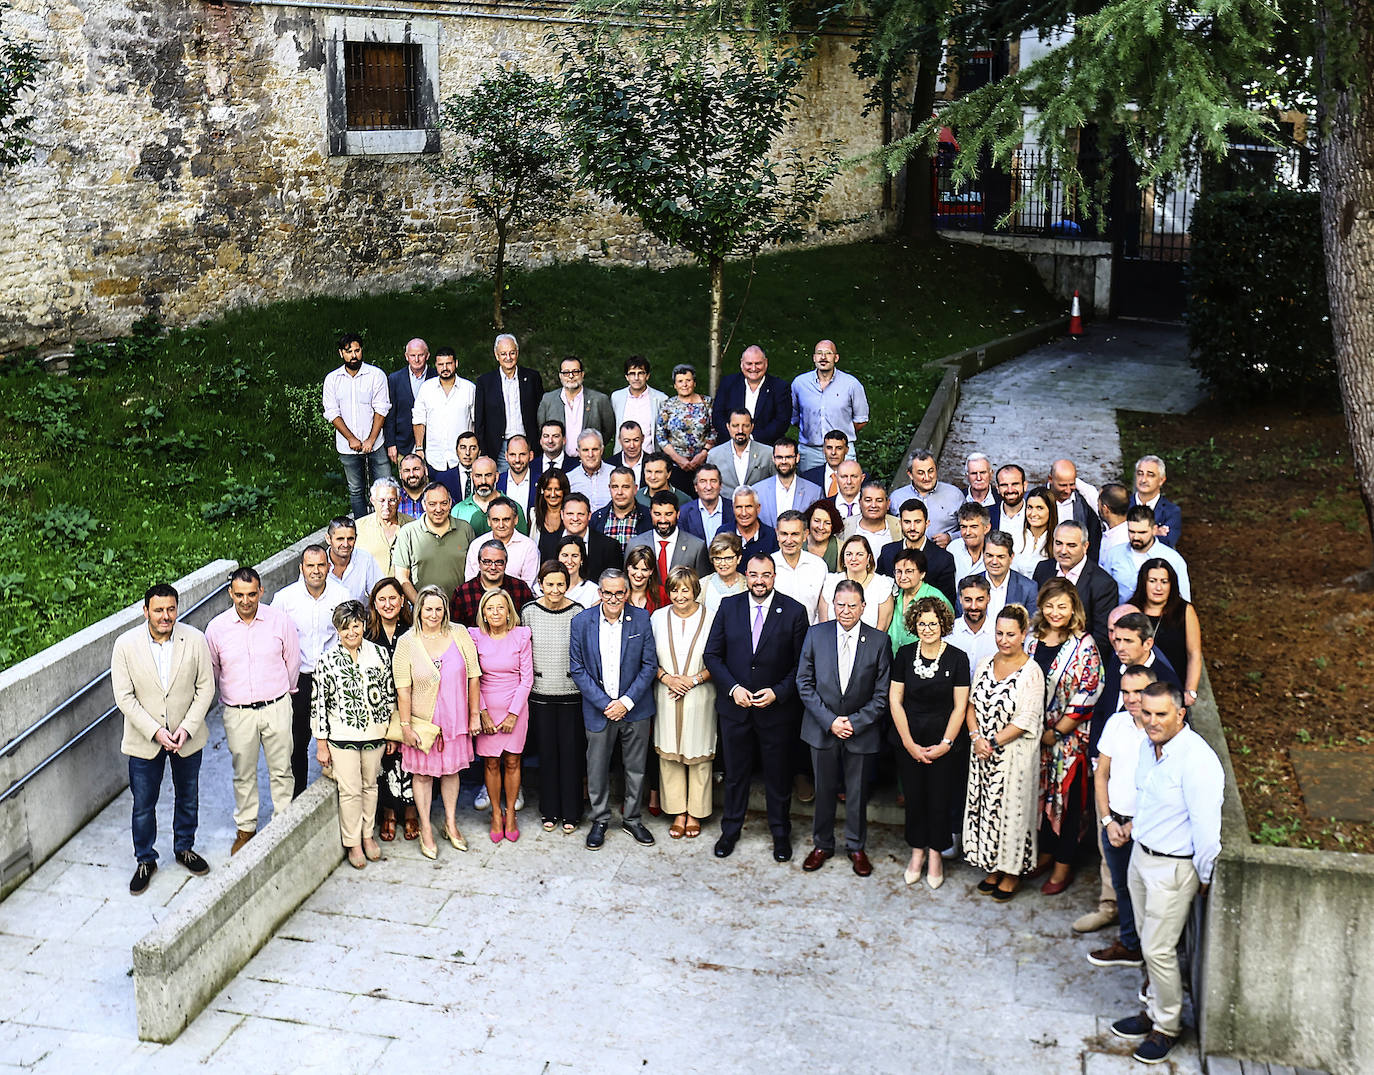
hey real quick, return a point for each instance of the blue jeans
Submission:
(356, 472)
(145, 782)
(1118, 859)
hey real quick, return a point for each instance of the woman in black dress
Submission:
(546, 517)
(1178, 633)
(388, 617)
(928, 696)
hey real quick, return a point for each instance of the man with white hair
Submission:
(377, 531)
(507, 401)
(757, 539)
(593, 477)
(978, 471)
(1150, 475)
(403, 385)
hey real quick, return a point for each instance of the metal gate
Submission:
(1151, 244)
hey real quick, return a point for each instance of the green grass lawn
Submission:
(158, 455)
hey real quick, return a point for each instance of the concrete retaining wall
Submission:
(1064, 265)
(181, 965)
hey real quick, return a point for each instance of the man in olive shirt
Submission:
(435, 549)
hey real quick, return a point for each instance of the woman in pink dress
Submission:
(437, 676)
(506, 651)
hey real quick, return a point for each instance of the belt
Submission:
(258, 705)
(1120, 819)
(1160, 854)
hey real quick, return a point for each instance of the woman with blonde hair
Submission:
(725, 551)
(506, 651)
(858, 565)
(438, 681)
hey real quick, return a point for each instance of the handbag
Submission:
(426, 730)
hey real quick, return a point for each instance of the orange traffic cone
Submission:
(1075, 318)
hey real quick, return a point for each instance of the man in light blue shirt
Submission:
(941, 499)
(823, 400)
(1123, 562)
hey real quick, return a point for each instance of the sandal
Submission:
(549, 823)
(569, 828)
(388, 831)
(692, 829)
(412, 828)
(678, 829)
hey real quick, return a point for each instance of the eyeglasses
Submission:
(614, 595)
(722, 557)
(491, 563)
(927, 627)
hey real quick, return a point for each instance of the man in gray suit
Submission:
(578, 408)
(671, 546)
(842, 681)
(742, 459)
(163, 683)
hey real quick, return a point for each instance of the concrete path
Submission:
(1061, 400)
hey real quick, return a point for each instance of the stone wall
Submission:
(183, 166)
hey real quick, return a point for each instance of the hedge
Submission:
(1258, 318)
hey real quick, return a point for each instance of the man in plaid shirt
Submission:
(623, 517)
(491, 575)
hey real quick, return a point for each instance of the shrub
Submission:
(67, 523)
(1258, 319)
(237, 499)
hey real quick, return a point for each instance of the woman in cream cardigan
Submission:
(437, 679)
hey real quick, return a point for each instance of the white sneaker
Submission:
(483, 800)
(520, 800)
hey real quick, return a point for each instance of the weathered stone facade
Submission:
(183, 165)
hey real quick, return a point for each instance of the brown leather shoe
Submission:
(243, 836)
(816, 859)
(861, 864)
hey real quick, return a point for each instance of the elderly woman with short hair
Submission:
(352, 700)
(685, 432)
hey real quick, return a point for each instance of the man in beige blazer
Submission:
(163, 684)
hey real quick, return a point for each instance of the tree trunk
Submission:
(1346, 156)
(887, 137)
(499, 277)
(916, 213)
(717, 270)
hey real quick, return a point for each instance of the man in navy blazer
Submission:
(752, 654)
(842, 682)
(707, 484)
(489, 413)
(1096, 588)
(1064, 486)
(1008, 587)
(1149, 478)
(617, 700)
(772, 404)
(397, 429)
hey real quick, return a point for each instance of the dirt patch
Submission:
(1272, 524)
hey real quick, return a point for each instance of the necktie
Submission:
(833, 487)
(467, 486)
(846, 660)
(663, 561)
(758, 625)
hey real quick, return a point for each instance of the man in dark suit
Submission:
(517, 482)
(671, 545)
(623, 517)
(842, 682)
(489, 415)
(397, 429)
(613, 660)
(1149, 478)
(708, 504)
(940, 562)
(752, 654)
(836, 449)
(1096, 588)
(768, 399)
(1064, 486)
(553, 450)
(602, 552)
(1007, 587)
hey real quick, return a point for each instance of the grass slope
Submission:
(159, 454)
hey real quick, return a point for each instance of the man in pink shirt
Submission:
(256, 656)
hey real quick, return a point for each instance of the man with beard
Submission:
(973, 631)
(414, 481)
(356, 403)
(671, 546)
(1123, 563)
(742, 460)
(1011, 495)
(912, 519)
(443, 413)
(474, 509)
(786, 490)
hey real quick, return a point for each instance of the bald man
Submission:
(398, 430)
(768, 399)
(1076, 501)
(826, 398)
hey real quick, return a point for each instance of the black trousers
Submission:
(1064, 846)
(927, 790)
(562, 742)
(776, 741)
(300, 731)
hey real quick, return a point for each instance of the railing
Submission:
(1029, 193)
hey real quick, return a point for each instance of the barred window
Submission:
(380, 86)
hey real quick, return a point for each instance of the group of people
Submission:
(1020, 658)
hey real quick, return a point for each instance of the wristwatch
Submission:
(947, 742)
(1106, 821)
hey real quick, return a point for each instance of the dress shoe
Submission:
(725, 846)
(1040, 871)
(1053, 888)
(1116, 955)
(935, 882)
(804, 789)
(862, 866)
(427, 851)
(456, 839)
(193, 862)
(596, 836)
(782, 849)
(911, 876)
(142, 878)
(241, 838)
(641, 834)
(1094, 920)
(816, 859)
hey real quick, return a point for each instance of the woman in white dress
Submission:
(725, 552)
(1032, 542)
(858, 565)
(685, 726)
(1006, 715)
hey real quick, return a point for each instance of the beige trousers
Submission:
(685, 789)
(355, 771)
(1107, 897)
(246, 730)
(1162, 891)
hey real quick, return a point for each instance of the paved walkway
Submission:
(541, 956)
(1061, 400)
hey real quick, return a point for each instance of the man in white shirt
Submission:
(1011, 491)
(742, 459)
(850, 477)
(353, 568)
(310, 602)
(356, 402)
(443, 411)
(978, 471)
(873, 523)
(786, 490)
(974, 524)
(638, 403)
(1125, 561)
(1006, 587)
(1177, 831)
(941, 499)
(800, 574)
(973, 631)
(522, 553)
(593, 478)
(517, 482)
(631, 454)
(1113, 501)
(507, 401)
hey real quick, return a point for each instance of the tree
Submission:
(1178, 80)
(683, 132)
(18, 68)
(511, 157)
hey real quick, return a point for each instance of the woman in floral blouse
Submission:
(352, 703)
(684, 431)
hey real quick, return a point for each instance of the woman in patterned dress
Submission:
(1006, 713)
(438, 680)
(350, 708)
(1072, 667)
(684, 432)
(388, 618)
(506, 651)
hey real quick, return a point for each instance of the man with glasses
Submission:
(637, 403)
(522, 553)
(613, 660)
(577, 407)
(826, 399)
(491, 575)
(786, 490)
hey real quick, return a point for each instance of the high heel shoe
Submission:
(497, 835)
(456, 839)
(934, 882)
(911, 876)
(427, 851)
